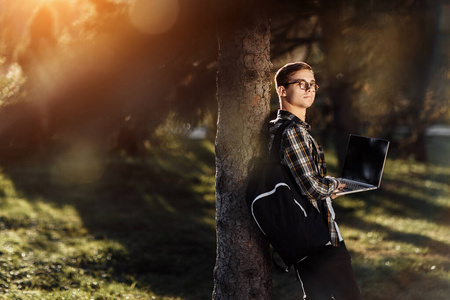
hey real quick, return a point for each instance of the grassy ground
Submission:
(144, 229)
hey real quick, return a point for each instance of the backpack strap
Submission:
(274, 157)
(276, 143)
(277, 266)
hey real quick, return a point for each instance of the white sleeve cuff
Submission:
(335, 182)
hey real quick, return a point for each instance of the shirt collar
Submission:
(285, 115)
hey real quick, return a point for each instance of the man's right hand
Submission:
(339, 188)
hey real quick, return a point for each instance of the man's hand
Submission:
(339, 188)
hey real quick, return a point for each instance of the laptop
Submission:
(363, 164)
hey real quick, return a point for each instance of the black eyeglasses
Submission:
(305, 85)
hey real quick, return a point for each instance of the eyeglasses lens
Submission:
(306, 86)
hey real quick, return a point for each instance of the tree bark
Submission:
(243, 269)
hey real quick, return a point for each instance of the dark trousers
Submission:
(328, 274)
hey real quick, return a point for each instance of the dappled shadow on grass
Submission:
(397, 234)
(159, 208)
(412, 201)
(395, 281)
(419, 194)
(388, 203)
(159, 219)
(395, 204)
(389, 234)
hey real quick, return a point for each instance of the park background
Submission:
(107, 130)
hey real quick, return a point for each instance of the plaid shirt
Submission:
(306, 160)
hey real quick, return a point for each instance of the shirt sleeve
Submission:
(299, 156)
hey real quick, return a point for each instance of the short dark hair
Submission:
(285, 71)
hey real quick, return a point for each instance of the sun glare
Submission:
(154, 16)
(50, 1)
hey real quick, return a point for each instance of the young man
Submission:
(326, 274)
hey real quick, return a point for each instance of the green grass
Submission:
(143, 228)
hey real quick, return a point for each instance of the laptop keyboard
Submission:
(351, 185)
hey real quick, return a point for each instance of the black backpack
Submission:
(288, 220)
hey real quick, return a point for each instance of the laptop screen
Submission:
(364, 160)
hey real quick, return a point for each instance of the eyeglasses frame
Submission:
(308, 85)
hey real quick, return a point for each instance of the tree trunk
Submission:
(424, 29)
(339, 73)
(243, 269)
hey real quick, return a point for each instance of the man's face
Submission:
(295, 95)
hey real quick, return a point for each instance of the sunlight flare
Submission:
(81, 164)
(154, 16)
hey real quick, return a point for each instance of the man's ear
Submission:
(281, 91)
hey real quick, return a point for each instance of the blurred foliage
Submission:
(85, 70)
(90, 75)
(381, 65)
